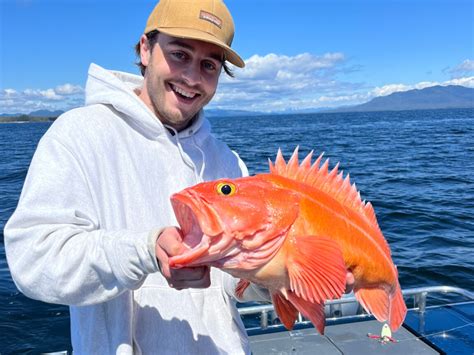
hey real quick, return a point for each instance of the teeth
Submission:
(189, 95)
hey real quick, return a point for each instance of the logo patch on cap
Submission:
(204, 15)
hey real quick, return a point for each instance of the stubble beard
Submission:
(171, 117)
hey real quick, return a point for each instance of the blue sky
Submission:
(299, 54)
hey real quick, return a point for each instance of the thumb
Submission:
(171, 241)
(168, 244)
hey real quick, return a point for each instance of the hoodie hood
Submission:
(117, 89)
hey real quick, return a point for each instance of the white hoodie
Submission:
(99, 183)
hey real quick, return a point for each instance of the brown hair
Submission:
(152, 38)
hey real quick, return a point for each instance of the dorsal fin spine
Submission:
(271, 166)
(345, 191)
(304, 167)
(292, 167)
(312, 170)
(317, 175)
(280, 164)
(333, 172)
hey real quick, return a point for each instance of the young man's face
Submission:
(181, 77)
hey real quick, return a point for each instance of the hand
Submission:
(350, 280)
(170, 243)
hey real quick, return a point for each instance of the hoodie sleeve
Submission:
(56, 249)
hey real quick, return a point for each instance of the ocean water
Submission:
(416, 167)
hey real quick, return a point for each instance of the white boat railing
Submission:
(419, 295)
(333, 307)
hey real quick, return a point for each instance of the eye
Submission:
(225, 188)
(179, 55)
(209, 66)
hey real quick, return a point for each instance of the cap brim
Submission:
(230, 55)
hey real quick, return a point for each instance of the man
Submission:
(94, 225)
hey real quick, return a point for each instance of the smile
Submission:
(184, 93)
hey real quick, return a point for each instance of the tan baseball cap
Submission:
(203, 20)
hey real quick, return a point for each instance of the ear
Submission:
(145, 50)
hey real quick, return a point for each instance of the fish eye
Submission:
(225, 188)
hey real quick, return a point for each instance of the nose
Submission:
(192, 74)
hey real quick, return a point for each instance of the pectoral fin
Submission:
(315, 267)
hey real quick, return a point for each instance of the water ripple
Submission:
(414, 166)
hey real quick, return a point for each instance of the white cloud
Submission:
(68, 89)
(463, 69)
(63, 97)
(279, 82)
(389, 89)
(48, 94)
(9, 92)
(469, 82)
(268, 83)
(344, 98)
(282, 67)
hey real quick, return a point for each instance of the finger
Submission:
(170, 240)
(162, 258)
(350, 280)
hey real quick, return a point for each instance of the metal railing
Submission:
(419, 295)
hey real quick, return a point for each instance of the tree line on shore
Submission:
(26, 118)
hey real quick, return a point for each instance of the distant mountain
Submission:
(46, 113)
(231, 113)
(435, 97)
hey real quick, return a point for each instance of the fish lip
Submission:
(187, 205)
(182, 210)
(197, 235)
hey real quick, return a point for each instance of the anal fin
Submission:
(313, 311)
(398, 309)
(385, 305)
(285, 310)
(375, 301)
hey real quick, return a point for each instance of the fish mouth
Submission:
(187, 220)
(202, 231)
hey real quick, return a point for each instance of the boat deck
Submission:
(445, 327)
(339, 339)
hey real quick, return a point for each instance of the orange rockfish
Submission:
(296, 231)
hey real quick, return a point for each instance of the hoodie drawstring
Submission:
(185, 158)
(203, 156)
